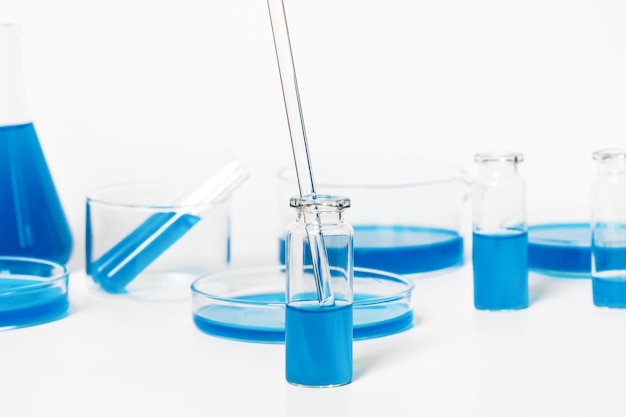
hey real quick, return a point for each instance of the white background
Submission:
(137, 89)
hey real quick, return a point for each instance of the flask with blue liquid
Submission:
(32, 220)
(500, 233)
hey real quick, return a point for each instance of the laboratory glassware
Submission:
(500, 235)
(32, 220)
(409, 215)
(248, 304)
(299, 142)
(32, 291)
(124, 261)
(318, 336)
(608, 229)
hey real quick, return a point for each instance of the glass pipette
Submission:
(121, 264)
(299, 144)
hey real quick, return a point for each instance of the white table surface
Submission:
(150, 89)
(111, 356)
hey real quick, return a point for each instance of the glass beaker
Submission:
(500, 233)
(318, 335)
(32, 220)
(608, 229)
(408, 214)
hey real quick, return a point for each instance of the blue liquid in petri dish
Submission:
(267, 325)
(500, 263)
(121, 264)
(32, 221)
(403, 249)
(28, 306)
(318, 344)
(560, 249)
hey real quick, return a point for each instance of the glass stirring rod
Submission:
(299, 144)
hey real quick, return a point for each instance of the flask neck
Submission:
(13, 109)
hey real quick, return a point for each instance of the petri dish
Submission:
(32, 291)
(560, 249)
(248, 304)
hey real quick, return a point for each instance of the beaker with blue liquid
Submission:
(408, 214)
(32, 220)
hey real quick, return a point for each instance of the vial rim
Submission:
(499, 157)
(320, 201)
(609, 153)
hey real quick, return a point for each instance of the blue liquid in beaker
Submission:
(500, 263)
(29, 307)
(32, 221)
(318, 344)
(402, 249)
(116, 268)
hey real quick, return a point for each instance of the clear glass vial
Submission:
(608, 228)
(499, 233)
(318, 313)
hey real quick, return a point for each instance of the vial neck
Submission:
(497, 169)
(612, 166)
(13, 110)
(320, 218)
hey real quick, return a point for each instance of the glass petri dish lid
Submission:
(249, 304)
(32, 291)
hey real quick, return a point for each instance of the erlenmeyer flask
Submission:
(32, 221)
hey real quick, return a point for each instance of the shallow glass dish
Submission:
(32, 291)
(249, 304)
(560, 249)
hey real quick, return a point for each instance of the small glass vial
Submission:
(318, 314)
(500, 233)
(608, 229)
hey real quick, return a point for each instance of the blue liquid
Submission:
(609, 280)
(402, 249)
(500, 264)
(318, 344)
(609, 292)
(32, 221)
(27, 307)
(133, 254)
(268, 325)
(562, 249)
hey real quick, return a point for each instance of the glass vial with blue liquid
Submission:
(32, 220)
(319, 329)
(500, 235)
(608, 229)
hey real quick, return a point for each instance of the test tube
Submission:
(121, 264)
(500, 233)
